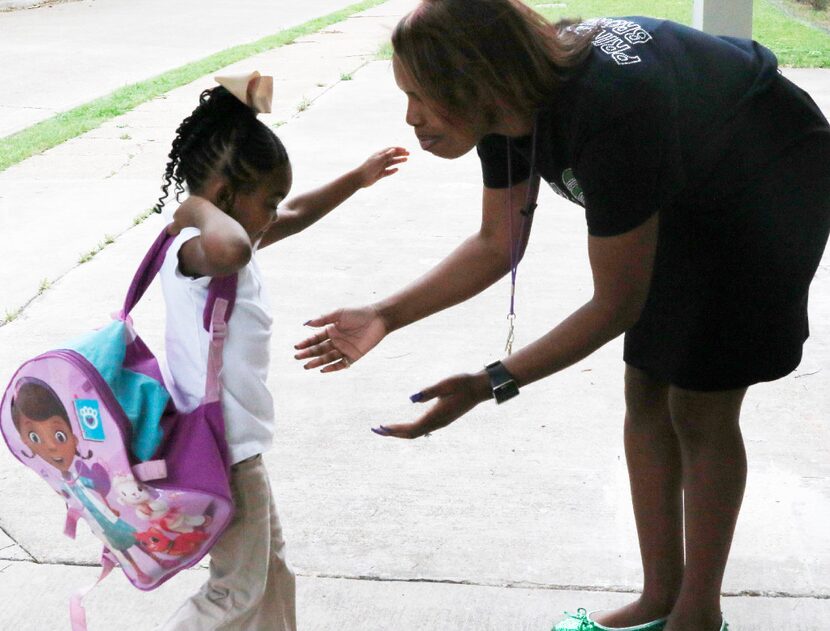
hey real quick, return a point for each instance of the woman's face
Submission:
(439, 136)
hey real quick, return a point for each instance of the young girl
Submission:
(237, 173)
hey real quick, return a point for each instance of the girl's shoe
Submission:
(581, 621)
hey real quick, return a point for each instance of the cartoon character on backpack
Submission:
(150, 507)
(154, 540)
(145, 502)
(44, 427)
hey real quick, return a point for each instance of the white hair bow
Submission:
(252, 89)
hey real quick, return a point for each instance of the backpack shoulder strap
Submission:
(221, 287)
(218, 307)
(224, 288)
(147, 270)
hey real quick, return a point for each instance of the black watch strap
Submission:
(502, 383)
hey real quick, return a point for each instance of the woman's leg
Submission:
(714, 478)
(654, 469)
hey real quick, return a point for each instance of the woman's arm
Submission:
(472, 267)
(622, 268)
(299, 212)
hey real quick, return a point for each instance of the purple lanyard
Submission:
(527, 218)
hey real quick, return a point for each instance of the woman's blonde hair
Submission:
(477, 56)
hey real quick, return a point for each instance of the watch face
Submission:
(505, 391)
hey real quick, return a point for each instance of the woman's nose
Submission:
(413, 115)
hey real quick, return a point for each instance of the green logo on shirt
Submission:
(573, 186)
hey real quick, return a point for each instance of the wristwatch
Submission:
(502, 382)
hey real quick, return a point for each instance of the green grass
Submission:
(67, 125)
(384, 52)
(88, 256)
(795, 43)
(303, 105)
(817, 9)
(677, 10)
(806, 11)
(11, 315)
(141, 217)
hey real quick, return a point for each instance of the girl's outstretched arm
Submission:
(300, 211)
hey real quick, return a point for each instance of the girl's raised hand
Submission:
(348, 335)
(380, 165)
(456, 396)
(190, 214)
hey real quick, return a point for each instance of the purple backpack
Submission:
(95, 421)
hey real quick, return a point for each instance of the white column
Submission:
(724, 17)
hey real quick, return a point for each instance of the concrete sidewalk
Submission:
(499, 522)
(112, 174)
(113, 43)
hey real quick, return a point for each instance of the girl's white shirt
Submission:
(246, 401)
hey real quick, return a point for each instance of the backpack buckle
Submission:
(218, 330)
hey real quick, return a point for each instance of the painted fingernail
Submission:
(416, 397)
(307, 323)
(381, 431)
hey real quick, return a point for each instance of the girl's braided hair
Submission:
(224, 137)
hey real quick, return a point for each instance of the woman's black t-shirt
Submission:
(643, 121)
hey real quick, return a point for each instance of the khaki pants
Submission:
(251, 588)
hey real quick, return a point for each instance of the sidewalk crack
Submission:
(14, 543)
(621, 589)
(47, 284)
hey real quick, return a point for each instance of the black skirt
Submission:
(727, 306)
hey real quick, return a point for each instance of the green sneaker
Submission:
(581, 621)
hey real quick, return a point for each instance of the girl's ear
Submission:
(224, 198)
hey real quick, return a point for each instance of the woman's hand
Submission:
(348, 335)
(456, 396)
(380, 164)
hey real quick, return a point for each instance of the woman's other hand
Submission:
(348, 335)
(456, 396)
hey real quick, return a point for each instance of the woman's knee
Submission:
(646, 398)
(705, 418)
